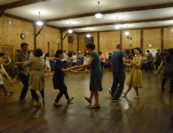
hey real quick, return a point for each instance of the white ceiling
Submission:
(61, 8)
(126, 26)
(128, 16)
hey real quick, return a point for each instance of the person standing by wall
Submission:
(158, 59)
(74, 59)
(102, 59)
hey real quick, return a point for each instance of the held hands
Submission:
(128, 62)
(74, 69)
(12, 81)
(77, 69)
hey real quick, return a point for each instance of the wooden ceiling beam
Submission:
(143, 28)
(19, 4)
(19, 18)
(123, 22)
(1, 13)
(117, 10)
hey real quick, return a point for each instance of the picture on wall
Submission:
(89, 40)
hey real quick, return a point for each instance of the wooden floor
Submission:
(153, 113)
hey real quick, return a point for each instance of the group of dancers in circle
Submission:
(31, 73)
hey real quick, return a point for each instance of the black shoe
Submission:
(22, 101)
(116, 100)
(163, 91)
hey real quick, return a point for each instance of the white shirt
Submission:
(47, 62)
(85, 60)
(74, 58)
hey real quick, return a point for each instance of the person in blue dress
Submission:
(95, 76)
(58, 78)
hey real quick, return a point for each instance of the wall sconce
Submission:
(129, 38)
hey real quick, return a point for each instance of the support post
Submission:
(98, 41)
(142, 39)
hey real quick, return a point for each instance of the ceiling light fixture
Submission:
(126, 33)
(117, 27)
(98, 15)
(39, 22)
(70, 31)
(88, 35)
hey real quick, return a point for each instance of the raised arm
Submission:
(160, 67)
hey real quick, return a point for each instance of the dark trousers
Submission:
(35, 96)
(63, 91)
(102, 66)
(24, 79)
(163, 83)
(118, 85)
(171, 86)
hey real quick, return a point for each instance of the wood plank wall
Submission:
(70, 46)
(152, 36)
(109, 39)
(135, 34)
(168, 38)
(10, 30)
(82, 41)
(49, 39)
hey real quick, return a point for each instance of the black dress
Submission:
(58, 78)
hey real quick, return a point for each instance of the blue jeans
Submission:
(118, 85)
(24, 79)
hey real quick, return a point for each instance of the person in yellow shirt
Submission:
(135, 79)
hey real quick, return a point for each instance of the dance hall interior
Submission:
(86, 66)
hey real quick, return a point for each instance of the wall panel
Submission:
(152, 36)
(108, 41)
(48, 36)
(10, 30)
(135, 34)
(168, 38)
